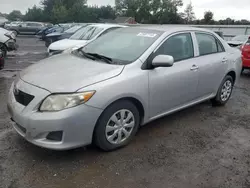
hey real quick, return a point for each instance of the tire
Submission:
(4, 49)
(104, 138)
(226, 85)
(242, 70)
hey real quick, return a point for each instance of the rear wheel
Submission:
(117, 126)
(225, 91)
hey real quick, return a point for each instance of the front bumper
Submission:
(76, 124)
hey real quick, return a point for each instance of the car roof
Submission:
(106, 26)
(171, 28)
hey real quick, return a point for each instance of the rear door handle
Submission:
(194, 67)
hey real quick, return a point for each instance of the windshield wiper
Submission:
(102, 57)
(85, 54)
(95, 56)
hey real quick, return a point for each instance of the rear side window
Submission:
(179, 46)
(208, 44)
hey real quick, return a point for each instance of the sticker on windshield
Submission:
(150, 35)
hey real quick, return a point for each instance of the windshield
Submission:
(86, 33)
(73, 29)
(123, 45)
(242, 38)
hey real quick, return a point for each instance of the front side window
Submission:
(179, 46)
(208, 44)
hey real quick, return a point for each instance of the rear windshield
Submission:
(73, 29)
(86, 33)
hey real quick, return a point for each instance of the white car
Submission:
(7, 41)
(82, 37)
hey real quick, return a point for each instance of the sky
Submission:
(222, 9)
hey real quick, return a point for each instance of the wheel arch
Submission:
(232, 73)
(135, 101)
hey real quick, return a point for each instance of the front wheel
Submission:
(225, 91)
(117, 126)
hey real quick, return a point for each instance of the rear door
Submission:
(211, 61)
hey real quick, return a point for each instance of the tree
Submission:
(106, 12)
(34, 14)
(150, 11)
(208, 17)
(59, 14)
(189, 15)
(15, 15)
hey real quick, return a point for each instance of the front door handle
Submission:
(194, 67)
(224, 60)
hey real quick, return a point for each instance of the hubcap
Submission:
(226, 90)
(120, 126)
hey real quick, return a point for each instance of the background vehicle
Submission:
(30, 28)
(1, 60)
(238, 40)
(82, 37)
(104, 91)
(43, 32)
(245, 50)
(53, 37)
(7, 41)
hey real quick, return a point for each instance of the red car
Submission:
(1, 60)
(246, 55)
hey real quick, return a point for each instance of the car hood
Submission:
(54, 34)
(68, 73)
(235, 42)
(66, 44)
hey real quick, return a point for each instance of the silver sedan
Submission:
(103, 92)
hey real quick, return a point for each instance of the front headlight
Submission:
(57, 102)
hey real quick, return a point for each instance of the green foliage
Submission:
(144, 11)
(208, 17)
(34, 14)
(15, 15)
(189, 15)
(150, 11)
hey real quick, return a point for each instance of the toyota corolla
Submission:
(102, 93)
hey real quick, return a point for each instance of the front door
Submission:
(173, 87)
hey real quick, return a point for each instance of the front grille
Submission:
(23, 98)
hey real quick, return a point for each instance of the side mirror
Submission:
(163, 61)
(20, 25)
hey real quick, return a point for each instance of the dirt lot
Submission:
(202, 146)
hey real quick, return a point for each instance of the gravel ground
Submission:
(203, 146)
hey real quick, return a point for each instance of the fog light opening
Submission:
(55, 136)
